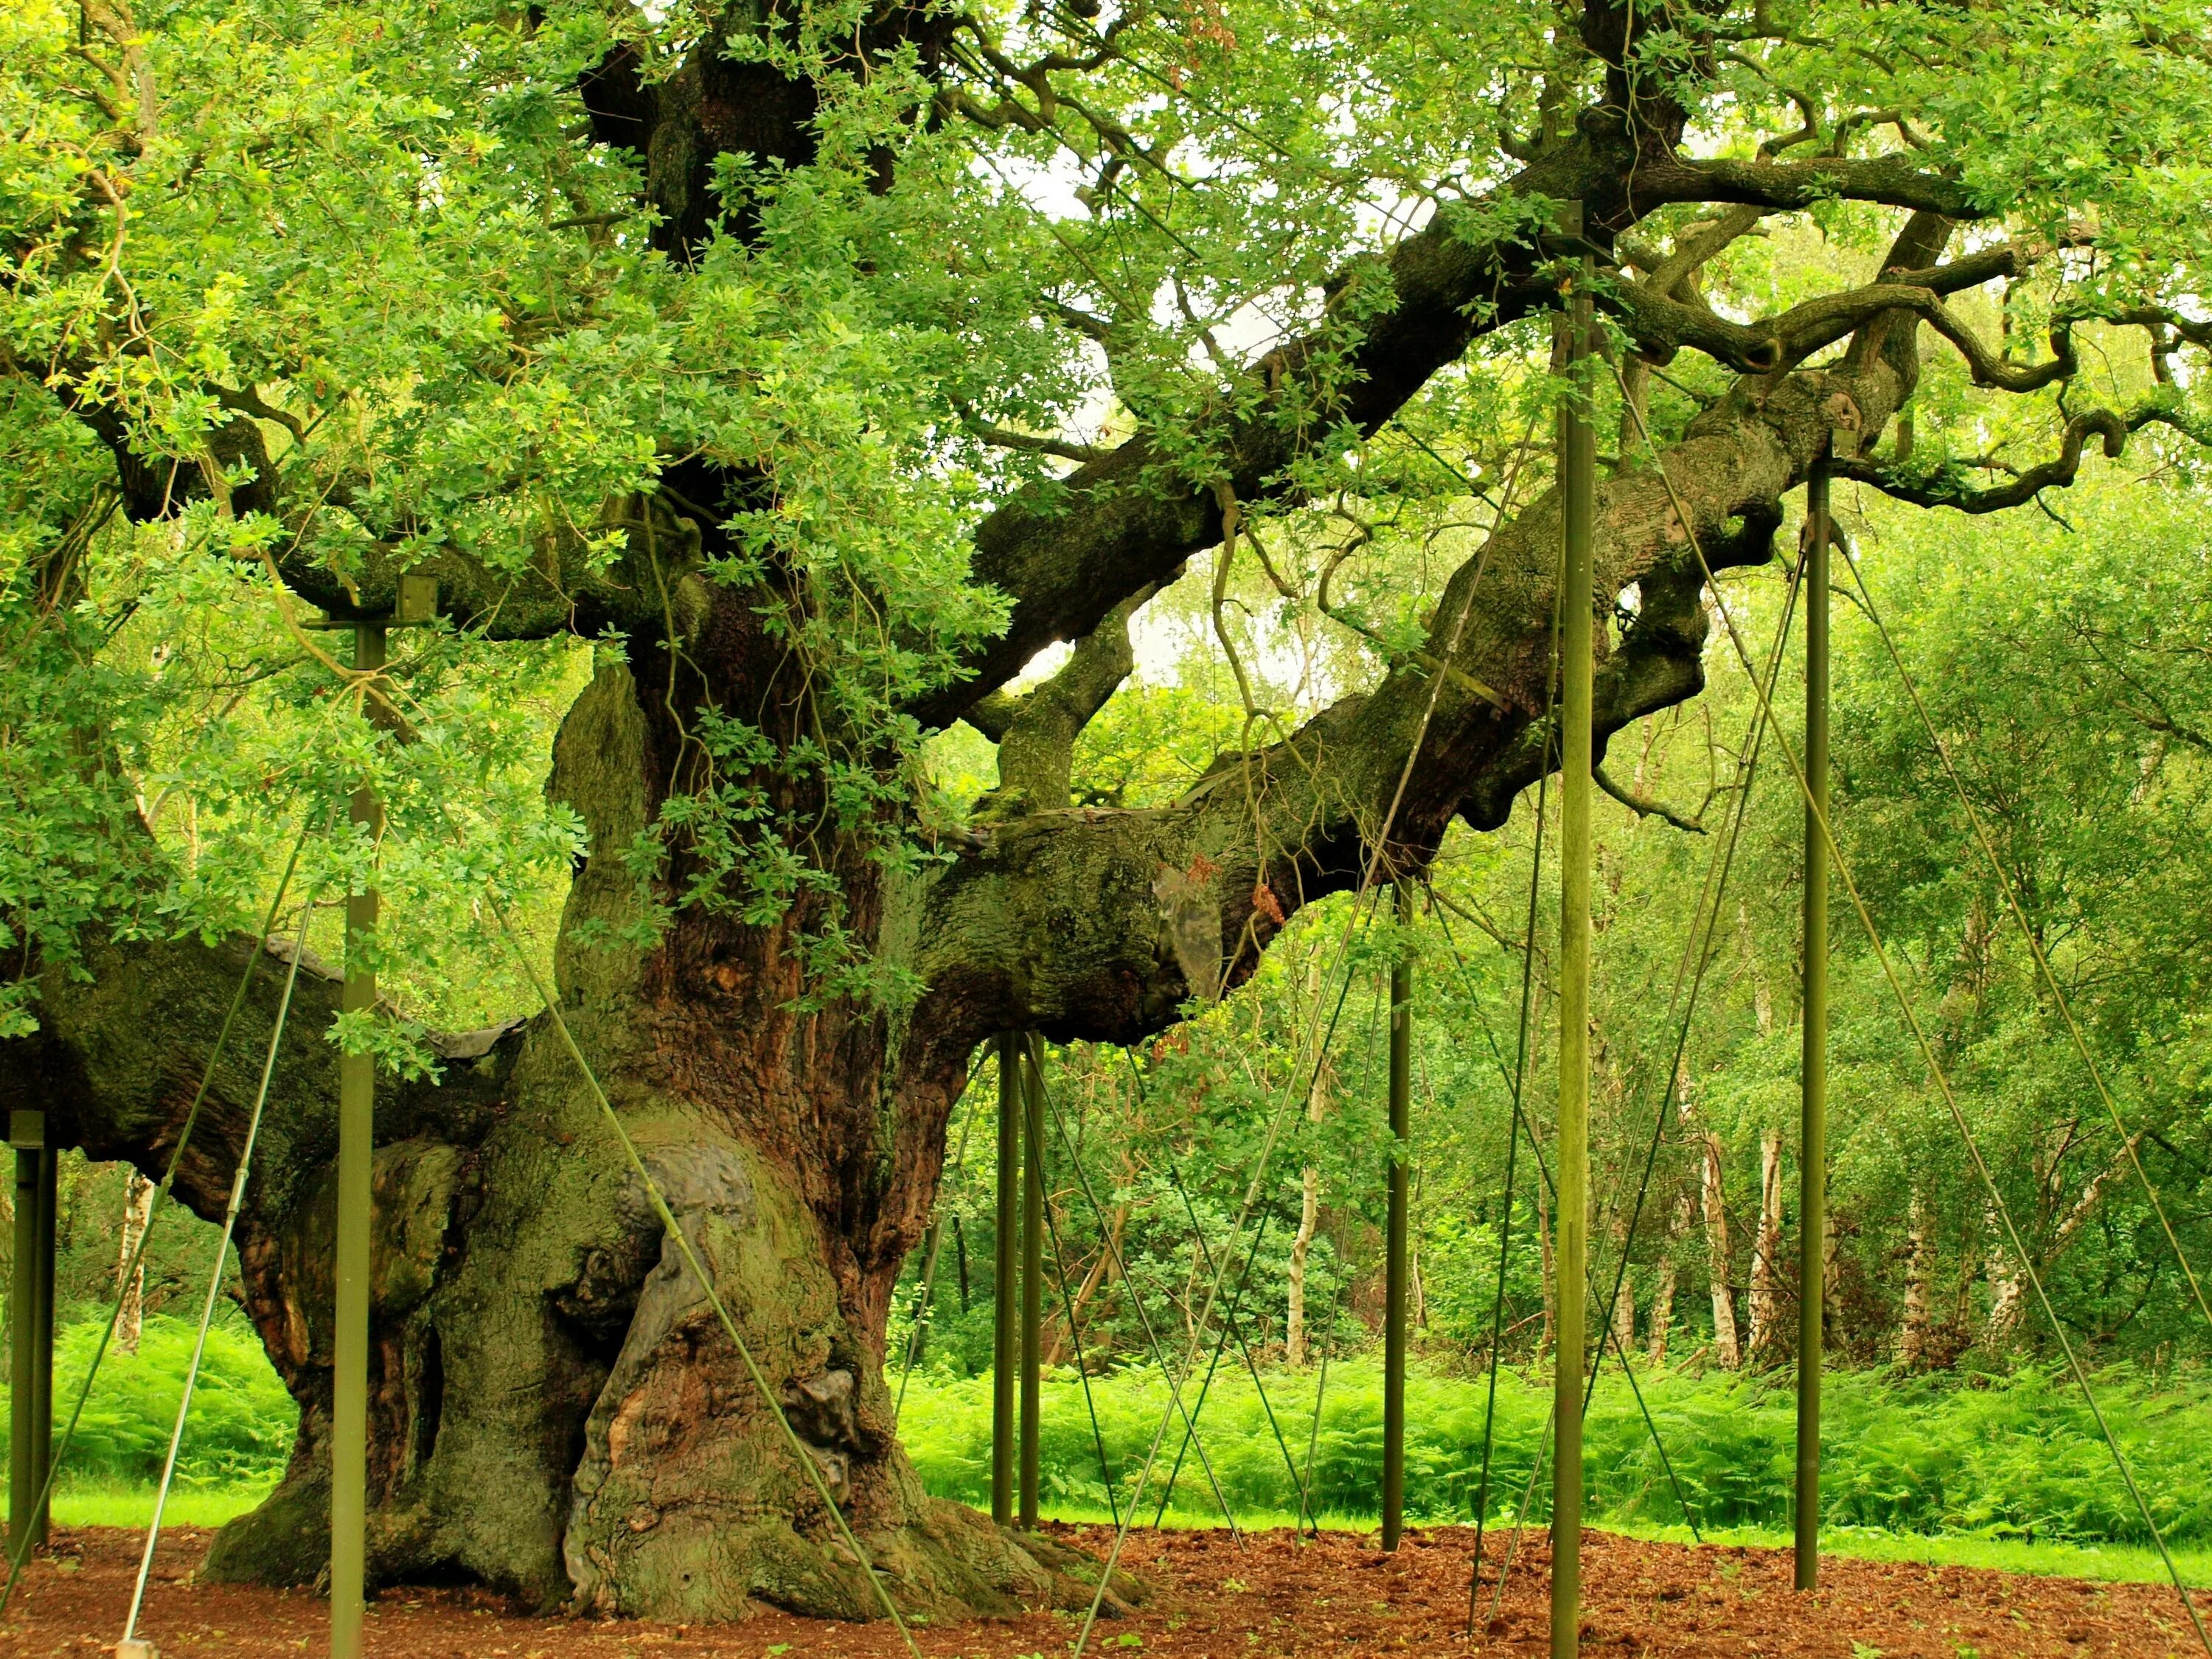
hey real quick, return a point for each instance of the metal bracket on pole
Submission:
(1813, 1124)
(414, 605)
(1395, 1275)
(1564, 239)
(1578, 490)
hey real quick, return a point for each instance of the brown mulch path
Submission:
(1212, 1599)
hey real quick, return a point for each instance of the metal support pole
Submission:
(1032, 1285)
(42, 1339)
(1394, 1293)
(1578, 487)
(1813, 1127)
(1003, 1345)
(27, 1134)
(356, 1150)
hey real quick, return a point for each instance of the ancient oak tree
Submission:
(822, 365)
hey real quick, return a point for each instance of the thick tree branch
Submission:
(1004, 438)
(1703, 244)
(119, 1053)
(1116, 524)
(1070, 555)
(1035, 733)
(1895, 180)
(1092, 924)
(1949, 487)
(1662, 325)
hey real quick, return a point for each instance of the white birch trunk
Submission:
(137, 1210)
(1624, 1301)
(1720, 1256)
(1913, 1331)
(1831, 1296)
(1294, 1319)
(1551, 1302)
(1767, 1255)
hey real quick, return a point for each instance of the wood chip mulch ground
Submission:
(1214, 1599)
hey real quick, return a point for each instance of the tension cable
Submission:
(1936, 1071)
(20, 1551)
(130, 1647)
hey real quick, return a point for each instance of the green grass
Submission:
(1983, 1459)
(108, 1503)
(1992, 1472)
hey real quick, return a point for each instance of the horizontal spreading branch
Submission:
(1662, 325)
(1642, 806)
(1068, 556)
(1179, 900)
(1894, 181)
(1949, 486)
(1036, 443)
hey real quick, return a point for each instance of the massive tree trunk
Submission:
(554, 1410)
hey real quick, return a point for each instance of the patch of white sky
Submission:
(1254, 324)
(1168, 639)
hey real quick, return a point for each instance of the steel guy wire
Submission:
(1936, 1071)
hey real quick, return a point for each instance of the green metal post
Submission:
(27, 1134)
(1578, 486)
(1394, 1291)
(1003, 1345)
(1812, 1127)
(1032, 1283)
(42, 1339)
(357, 1145)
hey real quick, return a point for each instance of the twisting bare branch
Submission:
(1643, 806)
(1663, 325)
(1948, 486)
